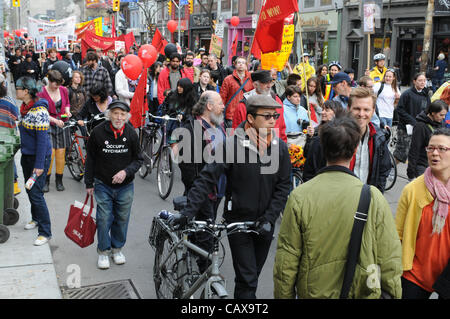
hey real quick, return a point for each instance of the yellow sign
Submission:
(16, 3)
(378, 43)
(278, 59)
(216, 45)
(98, 25)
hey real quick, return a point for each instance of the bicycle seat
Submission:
(179, 203)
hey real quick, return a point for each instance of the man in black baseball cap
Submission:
(342, 88)
(113, 158)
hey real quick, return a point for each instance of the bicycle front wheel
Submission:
(164, 172)
(147, 155)
(74, 162)
(297, 178)
(392, 177)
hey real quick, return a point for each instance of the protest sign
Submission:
(216, 45)
(278, 59)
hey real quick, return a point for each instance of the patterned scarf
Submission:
(261, 143)
(441, 195)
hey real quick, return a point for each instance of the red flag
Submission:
(269, 31)
(159, 42)
(138, 104)
(113, 28)
(234, 46)
(256, 51)
(313, 115)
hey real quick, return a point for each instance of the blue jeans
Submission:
(39, 210)
(387, 121)
(113, 215)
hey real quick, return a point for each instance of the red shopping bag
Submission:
(81, 226)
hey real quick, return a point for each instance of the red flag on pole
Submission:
(314, 120)
(159, 42)
(234, 46)
(269, 31)
(113, 28)
(138, 104)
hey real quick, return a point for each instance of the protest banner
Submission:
(279, 58)
(91, 40)
(216, 45)
(41, 28)
(95, 26)
(98, 4)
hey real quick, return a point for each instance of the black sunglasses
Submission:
(267, 117)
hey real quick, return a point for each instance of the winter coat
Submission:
(164, 82)
(421, 136)
(25, 66)
(229, 87)
(410, 105)
(380, 161)
(257, 186)
(122, 88)
(312, 248)
(77, 99)
(293, 113)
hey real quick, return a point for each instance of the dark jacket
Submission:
(47, 66)
(106, 155)
(219, 74)
(15, 68)
(410, 105)
(198, 89)
(25, 66)
(252, 193)
(88, 111)
(381, 163)
(421, 136)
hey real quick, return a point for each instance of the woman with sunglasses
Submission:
(36, 149)
(388, 95)
(422, 221)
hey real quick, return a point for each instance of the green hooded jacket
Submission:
(315, 233)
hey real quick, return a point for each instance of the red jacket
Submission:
(230, 85)
(164, 82)
(240, 115)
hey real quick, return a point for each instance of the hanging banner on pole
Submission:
(372, 11)
(95, 26)
(40, 28)
(216, 45)
(278, 59)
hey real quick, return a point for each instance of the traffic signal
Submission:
(169, 7)
(16, 3)
(191, 6)
(116, 5)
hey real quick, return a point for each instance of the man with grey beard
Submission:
(205, 127)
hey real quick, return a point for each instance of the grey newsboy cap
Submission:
(256, 101)
(262, 76)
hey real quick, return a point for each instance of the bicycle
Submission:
(151, 140)
(392, 177)
(173, 269)
(75, 156)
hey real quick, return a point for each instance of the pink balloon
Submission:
(132, 66)
(148, 55)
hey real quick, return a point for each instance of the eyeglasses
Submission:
(19, 88)
(267, 117)
(440, 149)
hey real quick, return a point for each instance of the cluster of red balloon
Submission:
(22, 33)
(133, 65)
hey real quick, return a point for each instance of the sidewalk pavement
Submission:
(26, 271)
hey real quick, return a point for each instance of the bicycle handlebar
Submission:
(165, 118)
(230, 228)
(73, 122)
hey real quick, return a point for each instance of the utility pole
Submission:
(2, 24)
(427, 36)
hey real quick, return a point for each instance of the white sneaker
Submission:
(41, 240)
(119, 258)
(31, 225)
(103, 262)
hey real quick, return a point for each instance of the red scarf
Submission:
(117, 131)
(25, 108)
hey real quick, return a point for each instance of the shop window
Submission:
(226, 4)
(309, 3)
(325, 3)
(250, 6)
(235, 7)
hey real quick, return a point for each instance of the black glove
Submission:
(263, 228)
(177, 220)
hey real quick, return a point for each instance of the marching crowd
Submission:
(343, 125)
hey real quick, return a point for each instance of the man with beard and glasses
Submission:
(96, 74)
(205, 127)
(193, 73)
(170, 75)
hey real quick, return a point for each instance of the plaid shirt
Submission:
(99, 75)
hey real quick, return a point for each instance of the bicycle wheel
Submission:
(74, 162)
(297, 178)
(392, 177)
(165, 276)
(146, 154)
(164, 172)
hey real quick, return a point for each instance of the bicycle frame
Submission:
(75, 139)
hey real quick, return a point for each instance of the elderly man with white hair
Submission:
(113, 158)
(439, 71)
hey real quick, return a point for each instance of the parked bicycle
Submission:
(157, 151)
(174, 271)
(76, 154)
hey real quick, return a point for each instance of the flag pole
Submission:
(304, 69)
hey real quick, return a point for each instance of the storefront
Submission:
(244, 33)
(319, 35)
(200, 31)
(441, 36)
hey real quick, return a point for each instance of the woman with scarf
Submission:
(422, 222)
(36, 149)
(57, 97)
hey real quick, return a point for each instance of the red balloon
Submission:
(132, 66)
(148, 54)
(234, 21)
(5, 33)
(172, 25)
(18, 33)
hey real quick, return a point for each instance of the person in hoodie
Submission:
(294, 113)
(412, 102)
(426, 123)
(30, 68)
(36, 149)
